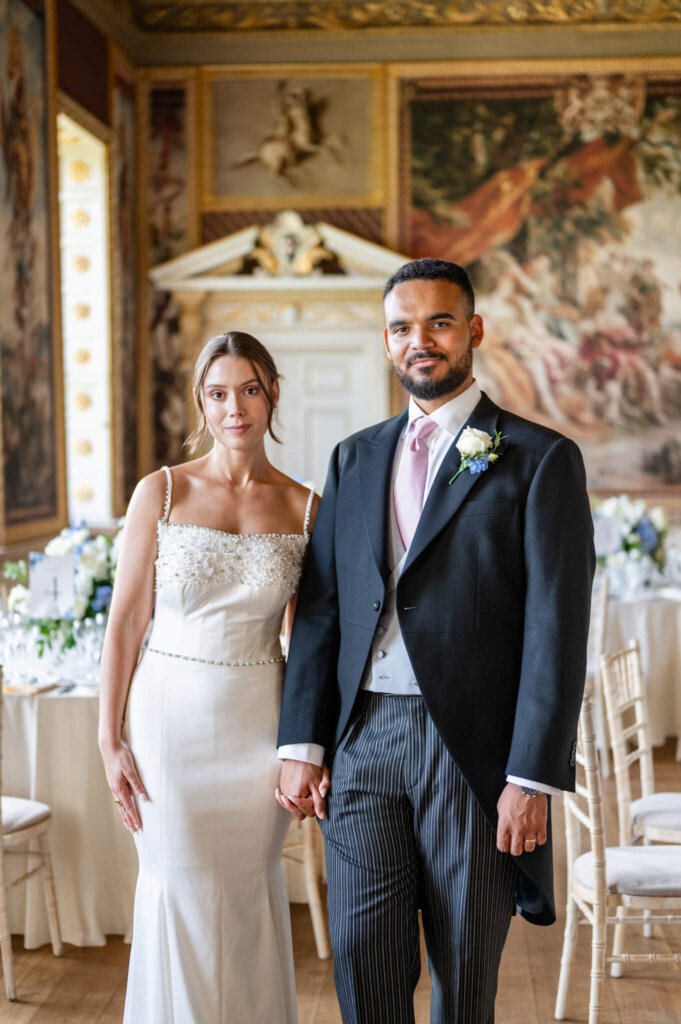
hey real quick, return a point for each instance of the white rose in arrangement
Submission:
(60, 545)
(658, 518)
(473, 442)
(94, 560)
(80, 604)
(609, 508)
(17, 600)
(83, 583)
(80, 536)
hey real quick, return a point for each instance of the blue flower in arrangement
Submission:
(478, 451)
(648, 534)
(100, 602)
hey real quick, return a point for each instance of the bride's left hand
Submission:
(302, 789)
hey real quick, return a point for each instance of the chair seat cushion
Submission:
(635, 870)
(18, 813)
(659, 810)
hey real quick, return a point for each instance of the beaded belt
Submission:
(209, 661)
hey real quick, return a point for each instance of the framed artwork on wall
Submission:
(32, 488)
(292, 136)
(558, 185)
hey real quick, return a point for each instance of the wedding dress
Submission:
(211, 935)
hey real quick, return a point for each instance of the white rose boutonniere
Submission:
(478, 451)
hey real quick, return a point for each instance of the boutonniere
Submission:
(478, 451)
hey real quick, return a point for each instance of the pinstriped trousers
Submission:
(403, 831)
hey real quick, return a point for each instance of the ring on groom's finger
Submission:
(531, 842)
(118, 802)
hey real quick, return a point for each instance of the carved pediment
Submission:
(283, 254)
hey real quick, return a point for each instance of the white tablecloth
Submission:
(656, 624)
(50, 753)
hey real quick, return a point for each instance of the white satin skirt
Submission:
(211, 934)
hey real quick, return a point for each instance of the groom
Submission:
(437, 664)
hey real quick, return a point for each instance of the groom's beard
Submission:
(426, 387)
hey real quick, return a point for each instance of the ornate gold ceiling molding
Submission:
(343, 15)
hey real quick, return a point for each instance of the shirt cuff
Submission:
(312, 753)
(541, 786)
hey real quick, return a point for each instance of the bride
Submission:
(215, 547)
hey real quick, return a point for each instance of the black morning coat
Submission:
(493, 603)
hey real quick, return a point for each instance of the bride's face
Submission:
(235, 404)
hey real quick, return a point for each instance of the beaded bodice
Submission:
(220, 597)
(200, 554)
(197, 554)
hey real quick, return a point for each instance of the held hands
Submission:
(123, 780)
(522, 821)
(302, 789)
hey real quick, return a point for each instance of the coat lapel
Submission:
(376, 456)
(443, 500)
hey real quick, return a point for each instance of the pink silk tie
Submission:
(410, 480)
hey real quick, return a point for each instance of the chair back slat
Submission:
(624, 690)
(584, 807)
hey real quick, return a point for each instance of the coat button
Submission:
(377, 605)
(381, 654)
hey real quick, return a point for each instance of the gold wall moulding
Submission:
(85, 494)
(82, 356)
(81, 311)
(81, 264)
(335, 15)
(82, 401)
(83, 447)
(79, 170)
(80, 218)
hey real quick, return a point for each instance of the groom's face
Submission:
(430, 337)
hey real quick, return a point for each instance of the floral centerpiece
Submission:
(626, 530)
(95, 560)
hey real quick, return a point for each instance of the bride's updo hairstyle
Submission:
(242, 346)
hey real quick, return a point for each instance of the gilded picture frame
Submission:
(292, 136)
(558, 185)
(33, 478)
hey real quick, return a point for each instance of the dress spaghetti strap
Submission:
(169, 494)
(308, 512)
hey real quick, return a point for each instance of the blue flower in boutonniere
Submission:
(478, 451)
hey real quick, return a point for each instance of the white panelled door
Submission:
(335, 383)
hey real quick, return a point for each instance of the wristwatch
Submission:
(528, 791)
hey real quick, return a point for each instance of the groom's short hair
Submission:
(429, 269)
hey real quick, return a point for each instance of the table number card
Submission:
(51, 585)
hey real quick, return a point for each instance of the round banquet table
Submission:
(50, 753)
(656, 623)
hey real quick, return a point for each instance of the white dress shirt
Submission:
(389, 669)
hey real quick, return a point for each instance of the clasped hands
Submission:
(302, 789)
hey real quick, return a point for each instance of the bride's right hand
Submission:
(123, 780)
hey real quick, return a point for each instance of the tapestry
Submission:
(562, 197)
(27, 361)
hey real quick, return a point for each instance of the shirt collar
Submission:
(451, 416)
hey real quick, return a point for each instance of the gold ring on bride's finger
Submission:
(117, 801)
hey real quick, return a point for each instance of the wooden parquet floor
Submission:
(87, 986)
